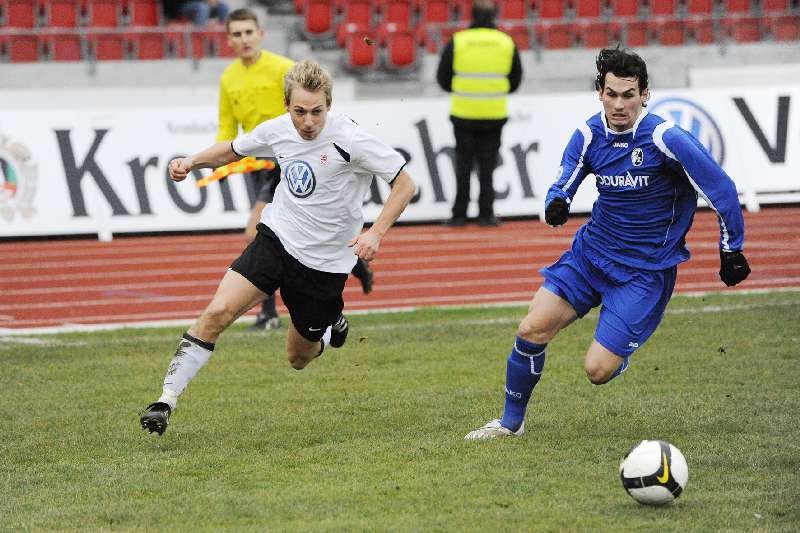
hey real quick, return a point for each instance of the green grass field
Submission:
(370, 437)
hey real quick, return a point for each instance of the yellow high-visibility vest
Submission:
(482, 60)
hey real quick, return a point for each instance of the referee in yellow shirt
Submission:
(250, 92)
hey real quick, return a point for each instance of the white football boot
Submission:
(494, 429)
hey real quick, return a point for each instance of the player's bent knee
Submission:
(534, 331)
(297, 360)
(596, 374)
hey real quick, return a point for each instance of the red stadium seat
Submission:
(775, 6)
(597, 34)
(106, 46)
(19, 13)
(588, 8)
(699, 7)
(518, 31)
(146, 45)
(625, 8)
(464, 10)
(512, 10)
(102, 13)
(63, 47)
(397, 12)
(19, 48)
(318, 19)
(635, 33)
(663, 7)
(736, 6)
(784, 28)
(669, 33)
(434, 11)
(401, 48)
(701, 31)
(550, 9)
(299, 6)
(62, 13)
(554, 36)
(360, 55)
(359, 12)
(144, 12)
(742, 29)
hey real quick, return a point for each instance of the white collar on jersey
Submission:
(632, 130)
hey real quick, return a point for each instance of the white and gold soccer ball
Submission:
(654, 472)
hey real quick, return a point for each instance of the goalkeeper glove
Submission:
(556, 212)
(733, 268)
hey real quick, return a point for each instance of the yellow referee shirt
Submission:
(251, 95)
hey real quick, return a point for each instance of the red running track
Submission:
(45, 284)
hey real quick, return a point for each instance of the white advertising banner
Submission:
(105, 170)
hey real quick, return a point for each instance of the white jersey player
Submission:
(308, 238)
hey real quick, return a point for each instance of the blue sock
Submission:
(622, 368)
(525, 366)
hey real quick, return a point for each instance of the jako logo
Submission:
(696, 121)
(300, 178)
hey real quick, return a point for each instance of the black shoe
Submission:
(455, 222)
(339, 332)
(265, 322)
(155, 418)
(490, 221)
(365, 276)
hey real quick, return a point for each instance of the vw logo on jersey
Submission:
(694, 119)
(300, 178)
(637, 156)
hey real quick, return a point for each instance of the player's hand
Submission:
(179, 168)
(733, 268)
(366, 245)
(556, 212)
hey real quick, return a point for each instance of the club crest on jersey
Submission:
(637, 156)
(323, 160)
(300, 178)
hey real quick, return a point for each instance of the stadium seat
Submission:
(63, 47)
(401, 48)
(663, 7)
(61, 13)
(742, 29)
(396, 12)
(518, 31)
(299, 7)
(434, 11)
(144, 12)
(19, 13)
(588, 8)
(512, 10)
(106, 46)
(318, 21)
(357, 13)
(699, 7)
(784, 27)
(554, 36)
(634, 33)
(775, 6)
(102, 13)
(701, 30)
(464, 10)
(736, 6)
(360, 56)
(668, 32)
(146, 45)
(625, 8)
(19, 48)
(597, 34)
(550, 9)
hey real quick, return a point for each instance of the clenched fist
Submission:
(179, 168)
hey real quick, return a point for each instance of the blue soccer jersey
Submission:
(648, 179)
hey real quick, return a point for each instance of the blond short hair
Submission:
(308, 75)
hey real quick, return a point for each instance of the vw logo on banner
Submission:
(300, 178)
(696, 121)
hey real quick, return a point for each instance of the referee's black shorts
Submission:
(313, 297)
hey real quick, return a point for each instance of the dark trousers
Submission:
(473, 145)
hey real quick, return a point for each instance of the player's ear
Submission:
(645, 96)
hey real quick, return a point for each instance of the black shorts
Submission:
(263, 184)
(313, 297)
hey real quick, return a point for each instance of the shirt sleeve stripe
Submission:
(587, 138)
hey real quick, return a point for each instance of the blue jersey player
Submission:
(648, 174)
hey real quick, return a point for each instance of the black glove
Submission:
(733, 268)
(556, 212)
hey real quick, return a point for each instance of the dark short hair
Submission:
(240, 14)
(622, 63)
(484, 12)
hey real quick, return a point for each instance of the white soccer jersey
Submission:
(317, 208)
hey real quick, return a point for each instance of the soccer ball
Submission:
(654, 472)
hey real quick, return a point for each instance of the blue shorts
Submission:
(633, 299)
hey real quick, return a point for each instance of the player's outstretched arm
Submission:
(366, 244)
(214, 156)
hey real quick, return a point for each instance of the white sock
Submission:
(189, 358)
(326, 337)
